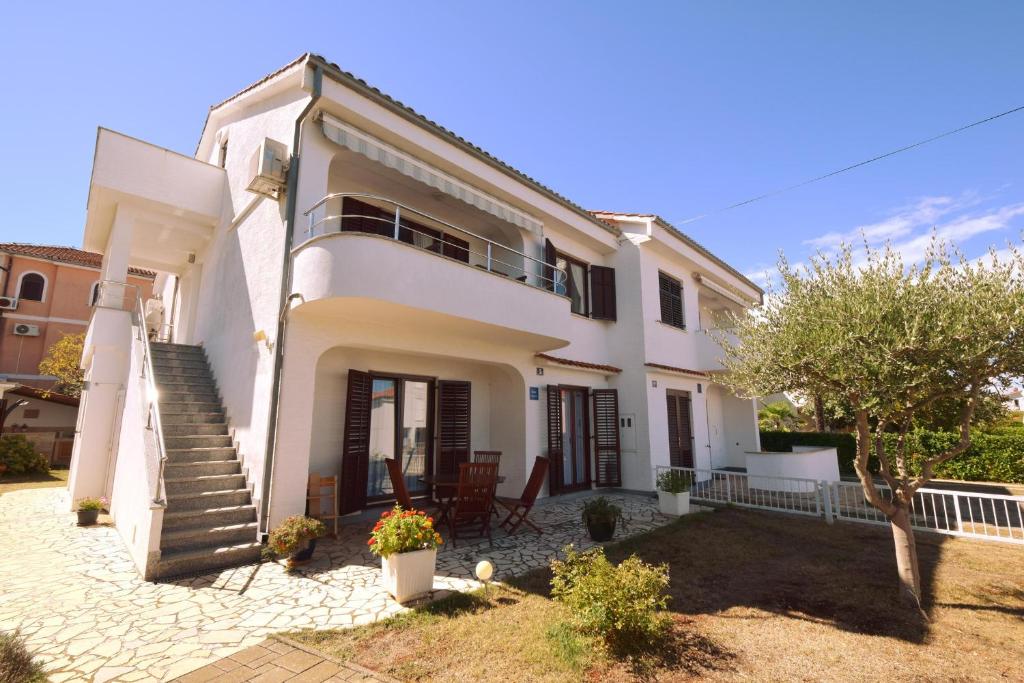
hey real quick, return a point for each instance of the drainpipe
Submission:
(286, 285)
(6, 268)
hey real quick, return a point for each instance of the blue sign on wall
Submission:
(534, 393)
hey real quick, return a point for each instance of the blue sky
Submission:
(677, 108)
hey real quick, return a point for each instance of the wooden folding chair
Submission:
(402, 496)
(471, 506)
(490, 457)
(315, 499)
(519, 508)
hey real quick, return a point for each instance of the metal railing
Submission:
(985, 516)
(493, 257)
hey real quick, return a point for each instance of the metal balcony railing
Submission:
(406, 224)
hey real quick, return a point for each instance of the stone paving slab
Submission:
(75, 595)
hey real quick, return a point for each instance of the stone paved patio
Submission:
(75, 595)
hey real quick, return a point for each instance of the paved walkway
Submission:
(74, 592)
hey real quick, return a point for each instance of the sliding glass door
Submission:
(575, 442)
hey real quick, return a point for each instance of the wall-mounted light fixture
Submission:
(261, 336)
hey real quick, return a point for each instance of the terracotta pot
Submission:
(303, 556)
(601, 530)
(88, 517)
(409, 575)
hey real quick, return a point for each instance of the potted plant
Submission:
(674, 492)
(406, 542)
(600, 516)
(88, 510)
(295, 538)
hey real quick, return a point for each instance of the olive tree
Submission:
(891, 341)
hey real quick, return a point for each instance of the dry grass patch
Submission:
(51, 479)
(754, 596)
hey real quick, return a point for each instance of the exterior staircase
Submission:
(210, 520)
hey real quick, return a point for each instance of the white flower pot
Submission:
(409, 575)
(675, 504)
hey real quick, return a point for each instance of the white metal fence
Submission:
(987, 516)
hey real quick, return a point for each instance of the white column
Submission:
(105, 360)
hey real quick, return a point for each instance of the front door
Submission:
(568, 438)
(680, 429)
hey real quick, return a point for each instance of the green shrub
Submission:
(601, 509)
(675, 481)
(292, 534)
(996, 455)
(16, 662)
(623, 604)
(20, 457)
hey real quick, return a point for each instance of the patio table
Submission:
(447, 483)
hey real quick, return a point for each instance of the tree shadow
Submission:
(843, 575)
(679, 650)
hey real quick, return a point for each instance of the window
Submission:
(575, 286)
(670, 292)
(32, 287)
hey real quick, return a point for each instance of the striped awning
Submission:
(363, 143)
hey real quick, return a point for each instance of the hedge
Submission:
(996, 456)
(18, 456)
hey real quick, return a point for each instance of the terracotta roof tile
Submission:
(579, 363)
(70, 255)
(681, 371)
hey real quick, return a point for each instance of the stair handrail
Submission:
(153, 422)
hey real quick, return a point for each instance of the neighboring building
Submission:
(1013, 401)
(365, 284)
(45, 418)
(46, 292)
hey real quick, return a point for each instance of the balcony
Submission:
(709, 352)
(367, 257)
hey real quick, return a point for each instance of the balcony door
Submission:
(387, 418)
(568, 438)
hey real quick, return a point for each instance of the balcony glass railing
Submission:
(366, 213)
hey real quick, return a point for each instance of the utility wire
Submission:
(848, 168)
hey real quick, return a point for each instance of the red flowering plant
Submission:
(294, 534)
(403, 531)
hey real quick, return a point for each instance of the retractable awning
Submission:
(363, 143)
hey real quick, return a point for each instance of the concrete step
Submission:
(207, 500)
(178, 383)
(171, 362)
(167, 346)
(201, 468)
(189, 407)
(191, 483)
(209, 518)
(190, 395)
(200, 560)
(195, 429)
(204, 454)
(205, 537)
(200, 441)
(190, 419)
(168, 373)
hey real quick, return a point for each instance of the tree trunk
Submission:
(906, 557)
(819, 414)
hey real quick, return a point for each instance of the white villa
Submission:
(344, 281)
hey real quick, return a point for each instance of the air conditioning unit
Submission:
(8, 303)
(24, 330)
(269, 169)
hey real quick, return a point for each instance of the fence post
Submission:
(956, 508)
(728, 487)
(826, 497)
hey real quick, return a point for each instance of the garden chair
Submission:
(402, 496)
(471, 506)
(493, 457)
(519, 508)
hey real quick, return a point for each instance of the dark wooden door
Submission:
(680, 430)
(355, 457)
(607, 456)
(453, 425)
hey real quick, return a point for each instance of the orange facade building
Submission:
(47, 292)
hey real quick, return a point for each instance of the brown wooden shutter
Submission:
(670, 295)
(680, 431)
(607, 454)
(602, 293)
(550, 259)
(555, 452)
(453, 423)
(362, 217)
(355, 457)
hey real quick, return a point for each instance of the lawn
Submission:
(51, 479)
(754, 596)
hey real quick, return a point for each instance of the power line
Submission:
(848, 168)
